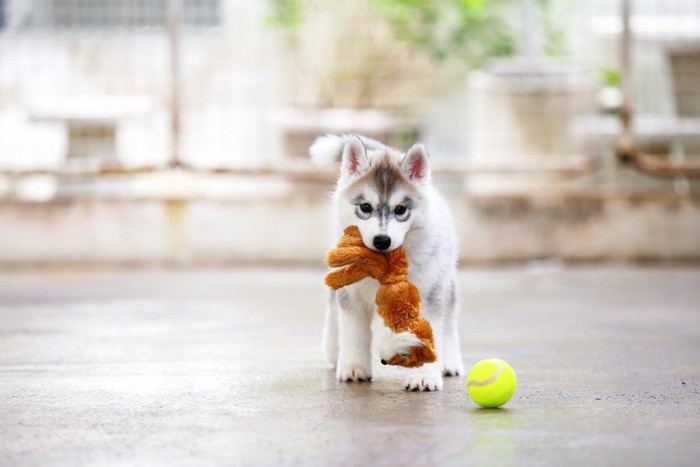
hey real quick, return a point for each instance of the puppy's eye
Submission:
(400, 210)
(366, 208)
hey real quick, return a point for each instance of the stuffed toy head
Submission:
(398, 301)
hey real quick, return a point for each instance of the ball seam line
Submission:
(492, 379)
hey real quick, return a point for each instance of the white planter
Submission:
(522, 116)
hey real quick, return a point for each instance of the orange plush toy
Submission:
(398, 301)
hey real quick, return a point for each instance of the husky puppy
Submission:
(388, 195)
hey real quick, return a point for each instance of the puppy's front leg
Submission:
(355, 338)
(429, 376)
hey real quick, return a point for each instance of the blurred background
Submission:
(176, 131)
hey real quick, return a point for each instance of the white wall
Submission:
(293, 225)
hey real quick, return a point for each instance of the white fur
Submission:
(396, 344)
(325, 150)
(429, 239)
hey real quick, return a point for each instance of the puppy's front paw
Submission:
(355, 374)
(423, 383)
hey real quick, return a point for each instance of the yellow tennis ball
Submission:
(491, 383)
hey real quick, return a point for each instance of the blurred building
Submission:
(100, 99)
(97, 73)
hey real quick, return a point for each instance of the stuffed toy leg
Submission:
(398, 300)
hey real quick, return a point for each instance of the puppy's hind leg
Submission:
(451, 350)
(330, 329)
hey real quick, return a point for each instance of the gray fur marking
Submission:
(434, 298)
(383, 213)
(452, 295)
(344, 299)
(385, 179)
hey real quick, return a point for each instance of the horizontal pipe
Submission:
(311, 171)
(651, 165)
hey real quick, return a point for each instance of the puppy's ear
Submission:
(354, 160)
(416, 164)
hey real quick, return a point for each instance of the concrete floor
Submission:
(222, 367)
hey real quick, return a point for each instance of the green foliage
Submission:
(364, 53)
(468, 30)
(610, 77)
(554, 34)
(285, 13)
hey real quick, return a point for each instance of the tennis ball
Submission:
(491, 383)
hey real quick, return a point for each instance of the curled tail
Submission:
(328, 149)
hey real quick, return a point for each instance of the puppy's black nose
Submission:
(381, 242)
(383, 362)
